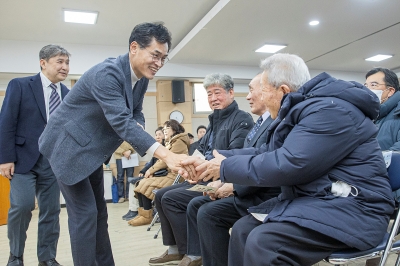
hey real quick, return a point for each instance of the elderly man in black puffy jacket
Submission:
(322, 151)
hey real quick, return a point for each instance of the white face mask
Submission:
(378, 93)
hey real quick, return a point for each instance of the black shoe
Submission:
(15, 261)
(123, 217)
(130, 216)
(50, 262)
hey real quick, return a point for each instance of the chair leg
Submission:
(398, 260)
(158, 231)
(153, 221)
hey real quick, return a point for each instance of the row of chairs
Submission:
(388, 244)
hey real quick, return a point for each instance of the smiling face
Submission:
(218, 97)
(256, 97)
(56, 69)
(143, 60)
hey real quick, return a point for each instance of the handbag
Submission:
(161, 172)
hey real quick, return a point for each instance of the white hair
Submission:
(287, 69)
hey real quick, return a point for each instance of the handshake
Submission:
(196, 169)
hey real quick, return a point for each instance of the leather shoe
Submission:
(186, 261)
(15, 261)
(50, 262)
(130, 215)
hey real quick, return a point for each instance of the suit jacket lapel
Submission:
(64, 91)
(37, 90)
(260, 131)
(128, 80)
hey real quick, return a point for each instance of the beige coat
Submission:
(123, 148)
(178, 144)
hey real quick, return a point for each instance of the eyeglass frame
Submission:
(374, 85)
(157, 57)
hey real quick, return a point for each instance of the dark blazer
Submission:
(246, 196)
(22, 120)
(99, 113)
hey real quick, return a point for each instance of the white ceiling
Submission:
(229, 31)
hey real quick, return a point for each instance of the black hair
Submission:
(144, 33)
(190, 136)
(199, 127)
(391, 78)
(175, 126)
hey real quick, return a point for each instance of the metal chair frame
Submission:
(388, 244)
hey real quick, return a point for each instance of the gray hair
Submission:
(52, 50)
(286, 69)
(223, 80)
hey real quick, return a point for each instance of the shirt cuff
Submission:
(153, 148)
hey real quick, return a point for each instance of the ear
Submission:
(391, 91)
(133, 47)
(42, 63)
(285, 89)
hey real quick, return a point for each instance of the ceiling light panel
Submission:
(270, 48)
(83, 17)
(314, 23)
(378, 57)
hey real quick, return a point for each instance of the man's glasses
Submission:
(157, 57)
(373, 85)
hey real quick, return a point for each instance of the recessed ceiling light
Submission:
(270, 48)
(83, 17)
(378, 57)
(314, 23)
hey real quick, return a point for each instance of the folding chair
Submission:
(388, 244)
(176, 181)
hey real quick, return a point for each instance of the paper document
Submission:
(260, 216)
(201, 188)
(387, 156)
(132, 162)
(198, 154)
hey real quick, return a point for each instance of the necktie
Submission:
(54, 99)
(254, 129)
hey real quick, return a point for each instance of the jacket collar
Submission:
(221, 114)
(391, 103)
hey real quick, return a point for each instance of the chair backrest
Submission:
(394, 171)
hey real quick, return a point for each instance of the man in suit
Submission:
(28, 104)
(209, 218)
(103, 110)
(201, 131)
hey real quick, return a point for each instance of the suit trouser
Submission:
(208, 228)
(277, 243)
(171, 204)
(123, 192)
(42, 182)
(87, 221)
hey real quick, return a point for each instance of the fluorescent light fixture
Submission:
(314, 23)
(80, 17)
(378, 57)
(270, 48)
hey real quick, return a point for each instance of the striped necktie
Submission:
(254, 129)
(54, 99)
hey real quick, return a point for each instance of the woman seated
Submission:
(176, 141)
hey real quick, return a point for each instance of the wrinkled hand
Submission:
(225, 191)
(187, 171)
(127, 154)
(210, 170)
(216, 184)
(7, 170)
(174, 161)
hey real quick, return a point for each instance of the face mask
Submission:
(378, 93)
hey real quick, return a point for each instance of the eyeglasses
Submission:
(157, 57)
(373, 85)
